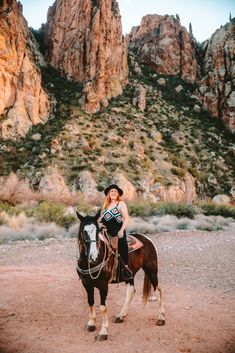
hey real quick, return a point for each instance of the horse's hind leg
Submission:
(92, 316)
(130, 291)
(161, 316)
(154, 281)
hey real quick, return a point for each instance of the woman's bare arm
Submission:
(125, 216)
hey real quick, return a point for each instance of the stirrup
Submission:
(127, 273)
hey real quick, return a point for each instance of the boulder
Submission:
(221, 199)
(179, 88)
(197, 108)
(161, 81)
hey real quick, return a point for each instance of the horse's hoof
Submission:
(117, 320)
(160, 322)
(101, 338)
(90, 328)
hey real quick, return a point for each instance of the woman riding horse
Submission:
(96, 259)
(114, 216)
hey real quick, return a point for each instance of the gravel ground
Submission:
(44, 308)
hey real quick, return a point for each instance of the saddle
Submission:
(133, 243)
(112, 243)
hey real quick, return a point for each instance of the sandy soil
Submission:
(43, 307)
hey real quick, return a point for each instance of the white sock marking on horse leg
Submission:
(130, 291)
(161, 315)
(105, 323)
(92, 316)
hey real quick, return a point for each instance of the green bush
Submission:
(178, 171)
(146, 208)
(142, 208)
(85, 207)
(52, 212)
(177, 209)
(211, 209)
(9, 209)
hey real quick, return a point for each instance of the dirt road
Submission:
(43, 307)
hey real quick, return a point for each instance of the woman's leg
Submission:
(123, 249)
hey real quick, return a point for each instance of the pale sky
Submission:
(205, 15)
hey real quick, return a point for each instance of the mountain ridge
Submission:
(155, 139)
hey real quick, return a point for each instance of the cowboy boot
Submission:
(127, 273)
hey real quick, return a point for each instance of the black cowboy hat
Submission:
(113, 186)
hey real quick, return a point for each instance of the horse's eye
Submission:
(85, 235)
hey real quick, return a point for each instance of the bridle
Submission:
(87, 241)
(98, 268)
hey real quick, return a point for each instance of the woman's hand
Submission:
(120, 233)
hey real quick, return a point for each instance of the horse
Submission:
(94, 267)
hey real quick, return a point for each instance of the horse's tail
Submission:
(146, 289)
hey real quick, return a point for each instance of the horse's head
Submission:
(88, 235)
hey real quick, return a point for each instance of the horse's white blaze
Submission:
(130, 291)
(105, 323)
(92, 317)
(91, 230)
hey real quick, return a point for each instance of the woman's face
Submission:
(113, 193)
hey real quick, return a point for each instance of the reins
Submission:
(101, 265)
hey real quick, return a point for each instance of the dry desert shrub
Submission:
(14, 221)
(13, 190)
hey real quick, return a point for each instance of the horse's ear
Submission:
(97, 215)
(79, 216)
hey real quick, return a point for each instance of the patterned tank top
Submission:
(112, 219)
(114, 212)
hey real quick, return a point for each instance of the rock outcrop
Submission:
(53, 186)
(23, 102)
(221, 199)
(181, 190)
(161, 43)
(85, 43)
(88, 186)
(140, 97)
(217, 87)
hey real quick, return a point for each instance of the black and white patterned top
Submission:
(112, 219)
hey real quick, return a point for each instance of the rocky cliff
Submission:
(23, 102)
(85, 42)
(163, 44)
(216, 91)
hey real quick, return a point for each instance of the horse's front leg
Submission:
(103, 334)
(92, 316)
(130, 291)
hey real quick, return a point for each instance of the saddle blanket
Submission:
(133, 243)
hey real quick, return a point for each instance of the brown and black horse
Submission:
(95, 261)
